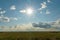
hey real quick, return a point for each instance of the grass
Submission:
(29, 35)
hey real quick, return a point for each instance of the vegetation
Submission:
(29, 35)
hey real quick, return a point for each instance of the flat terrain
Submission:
(29, 35)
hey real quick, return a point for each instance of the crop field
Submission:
(29, 35)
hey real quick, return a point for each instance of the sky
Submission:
(21, 12)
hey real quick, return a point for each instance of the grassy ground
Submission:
(29, 35)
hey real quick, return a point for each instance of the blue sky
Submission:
(44, 11)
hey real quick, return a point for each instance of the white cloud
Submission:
(57, 24)
(22, 11)
(13, 7)
(6, 19)
(2, 11)
(23, 27)
(43, 5)
(41, 26)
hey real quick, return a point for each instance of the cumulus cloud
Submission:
(6, 19)
(2, 11)
(57, 24)
(41, 26)
(23, 27)
(43, 6)
(13, 7)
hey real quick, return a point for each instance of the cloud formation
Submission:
(6, 19)
(43, 6)
(13, 7)
(2, 11)
(41, 26)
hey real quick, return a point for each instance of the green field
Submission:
(29, 35)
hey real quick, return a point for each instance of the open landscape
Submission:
(29, 35)
(29, 19)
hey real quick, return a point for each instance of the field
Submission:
(29, 35)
